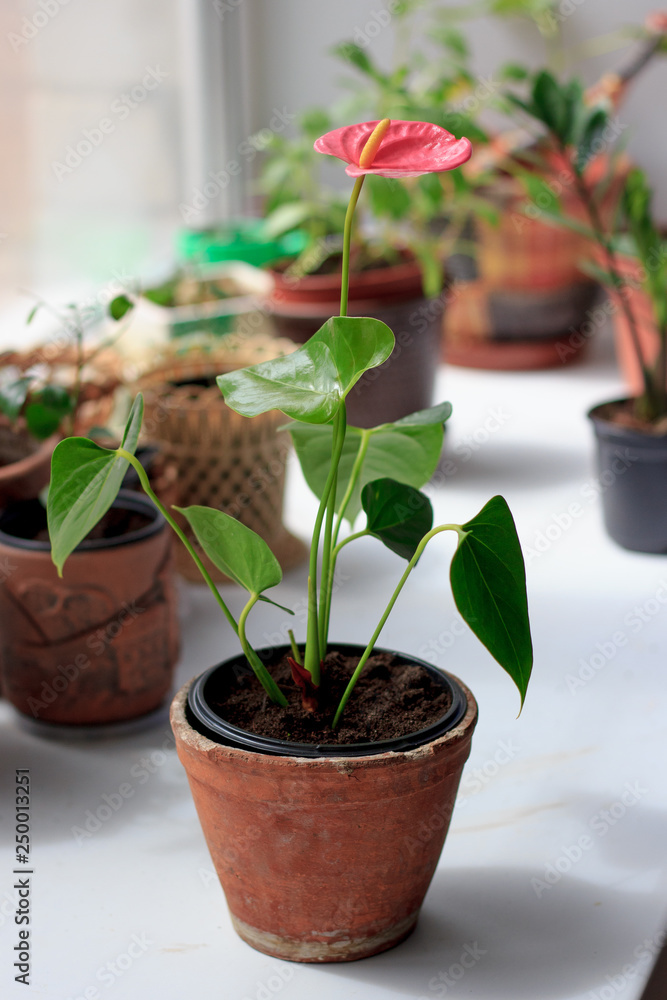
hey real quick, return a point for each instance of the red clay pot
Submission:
(396, 282)
(526, 295)
(321, 859)
(25, 463)
(99, 645)
(404, 383)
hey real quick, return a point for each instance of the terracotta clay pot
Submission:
(99, 645)
(398, 282)
(404, 383)
(320, 857)
(525, 297)
(25, 463)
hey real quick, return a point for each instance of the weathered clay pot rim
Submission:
(198, 743)
(128, 501)
(264, 745)
(605, 425)
(23, 465)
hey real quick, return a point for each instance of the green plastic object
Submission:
(242, 239)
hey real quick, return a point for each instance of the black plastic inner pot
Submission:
(205, 721)
(23, 520)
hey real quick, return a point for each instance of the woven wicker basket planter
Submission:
(224, 460)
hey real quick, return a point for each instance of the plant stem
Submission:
(296, 654)
(354, 479)
(612, 264)
(347, 234)
(313, 652)
(326, 585)
(262, 674)
(76, 388)
(394, 597)
(146, 486)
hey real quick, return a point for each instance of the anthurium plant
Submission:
(377, 471)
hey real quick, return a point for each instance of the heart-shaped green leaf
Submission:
(406, 451)
(85, 480)
(488, 581)
(309, 384)
(237, 551)
(397, 514)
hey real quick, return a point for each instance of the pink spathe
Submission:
(407, 150)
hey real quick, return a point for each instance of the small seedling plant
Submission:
(378, 472)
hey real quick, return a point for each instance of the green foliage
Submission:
(651, 248)
(85, 480)
(488, 581)
(406, 451)
(397, 514)
(235, 550)
(13, 395)
(47, 409)
(311, 383)
(120, 306)
(561, 109)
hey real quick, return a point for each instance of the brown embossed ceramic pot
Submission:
(99, 645)
(320, 857)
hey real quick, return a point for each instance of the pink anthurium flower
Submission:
(406, 149)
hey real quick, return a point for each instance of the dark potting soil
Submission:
(622, 413)
(115, 523)
(390, 699)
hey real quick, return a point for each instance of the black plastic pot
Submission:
(208, 723)
(632, 468)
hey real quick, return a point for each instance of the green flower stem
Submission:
(329, 542)
(394, 597)
(350, 538)
(146, 486)
(347, 234)
(296, 655)
(262, 674)
(354, 479)
(312, 655)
